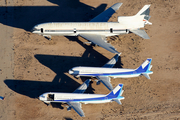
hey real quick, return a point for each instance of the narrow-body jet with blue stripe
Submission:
(103, 74)
(75, 99)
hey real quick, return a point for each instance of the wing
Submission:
(112, 62)
(106, 81)
(99, 40)
(104, 16)
(141, 33)
(77, 107)
(83, 87)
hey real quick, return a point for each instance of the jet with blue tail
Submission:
(75, 99)
(105, 73)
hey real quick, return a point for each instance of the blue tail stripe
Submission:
(117, 92)
(146, 68)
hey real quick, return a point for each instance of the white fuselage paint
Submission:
(99, 71)
(76, 28)
(74, 97)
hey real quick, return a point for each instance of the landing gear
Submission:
(47, 37)
(47, 104)
(68, 108)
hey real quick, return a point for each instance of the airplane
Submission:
(75, 99)
(104, 73)
(97, 29)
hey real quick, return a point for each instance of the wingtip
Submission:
(116, 6)
(118, 54)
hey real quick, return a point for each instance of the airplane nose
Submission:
(39, 98)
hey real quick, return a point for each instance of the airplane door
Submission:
(41, 30)
(74, 30)
(111, 30)
(50, 97)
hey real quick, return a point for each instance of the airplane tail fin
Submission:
(137, 21)
(145, 68)
(143, 16)
(116, 93)
(144, 12)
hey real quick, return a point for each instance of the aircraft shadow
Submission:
(26, 17)
(62, 64)
(68, 118)
(33, 89)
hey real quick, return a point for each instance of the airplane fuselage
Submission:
(74, 97)
(99, 71)
(76, 28)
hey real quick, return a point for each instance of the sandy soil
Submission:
(41, 65)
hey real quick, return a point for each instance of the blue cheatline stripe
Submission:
(113, 74)
(86, 100)
(110, 97)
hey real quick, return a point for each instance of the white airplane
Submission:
(75, 99)
(104, 73)
(98, 28)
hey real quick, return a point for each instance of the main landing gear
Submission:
(47, 37)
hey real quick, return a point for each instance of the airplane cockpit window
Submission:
(42, 96)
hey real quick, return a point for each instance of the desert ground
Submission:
(31, 65)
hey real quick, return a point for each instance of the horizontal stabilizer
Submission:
(118, 101)
(140, 33)
(146, 75)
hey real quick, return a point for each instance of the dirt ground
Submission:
(41, 66)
